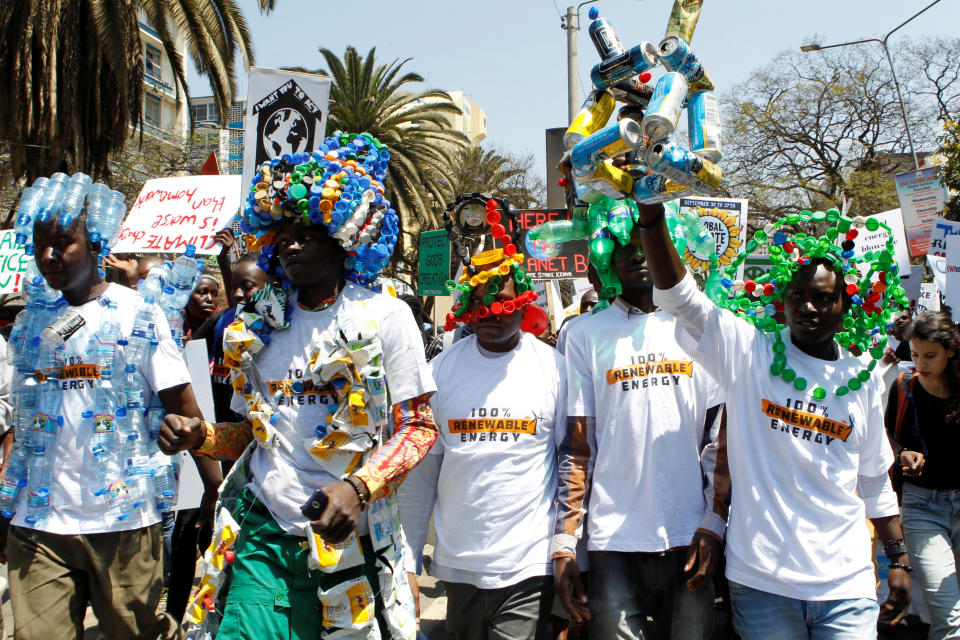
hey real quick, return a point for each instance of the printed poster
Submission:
(726, 220)
(922, 199)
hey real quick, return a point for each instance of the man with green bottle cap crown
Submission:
(806, 447)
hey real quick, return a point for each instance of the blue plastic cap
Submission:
(123, 516)
(594, 14)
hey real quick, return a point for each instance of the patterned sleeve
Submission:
(415, 431)
(225, 440)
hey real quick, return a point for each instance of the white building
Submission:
(164, 109)
(473, 122)
(223, 138)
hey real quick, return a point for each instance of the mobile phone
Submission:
(315, 506)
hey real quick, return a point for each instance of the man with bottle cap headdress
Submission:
(86, 483)
(308, 541)
(807, 450)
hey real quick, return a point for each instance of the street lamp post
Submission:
(571, 23)
(893, 73)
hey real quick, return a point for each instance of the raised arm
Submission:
(663, 261)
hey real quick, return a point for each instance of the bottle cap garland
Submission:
(871, 281)
(467, 228)
(338, 186)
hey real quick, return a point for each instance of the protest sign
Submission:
(286, 113)
(942, 229)
(929, 299)
(877, 240)
(12, 264)
(938, 264)
(580, 287)
(951, 293)
(726, 220)
(434, 264)
(546, 260)
(171, 213)
(922, 198)
(756, 265)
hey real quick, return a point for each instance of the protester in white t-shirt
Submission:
(83, 552)
(491, 479)
(806, 471)
(639, 455)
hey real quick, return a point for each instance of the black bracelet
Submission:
(900, 565)
(358, 491)
(656, 220)
(893, 549)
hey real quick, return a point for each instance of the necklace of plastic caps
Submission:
(871, 281)
(492, 279)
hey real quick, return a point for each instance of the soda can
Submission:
(703, 125)
(592, 116)
(665, 106)
(633, 92)
(605, 38)
(683, 18)
(606, 179)
(678, 56)
(636, 60)
(657, 188)
(614, 139)
(684, 167)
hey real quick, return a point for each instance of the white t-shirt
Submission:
(285, 477)
(630, 371)
(74, 508)
(498, 417)
(797, 527)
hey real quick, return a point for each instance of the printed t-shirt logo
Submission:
(298, 388)
(807, 420)
(656, 368)
(493, 425)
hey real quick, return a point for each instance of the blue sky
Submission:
(510, 57)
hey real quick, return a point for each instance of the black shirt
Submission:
(942, 440)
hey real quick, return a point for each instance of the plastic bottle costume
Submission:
(125, 417)
(637, 157)
(338, 188)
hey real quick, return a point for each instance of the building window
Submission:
(152, 63)
(151, 109)
(203, 112)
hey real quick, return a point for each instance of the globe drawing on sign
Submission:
(541, 249)
(285, 132)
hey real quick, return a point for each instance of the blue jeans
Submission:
(169, 519)
(625, 588)
(758, 615)
(931, 528)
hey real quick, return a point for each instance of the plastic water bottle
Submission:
(109, 335)
(186, 268)
(153, 285)
(104, 440)
(134, 389)
(19, 338)
(165, 483)
(46, 421)
(38, 481)
(142, 336)
(13, 480)
(119, 500)
(76, 195)
(155, 416)
(26, 401)
(139, 469)
(52, 197)
(27, 211)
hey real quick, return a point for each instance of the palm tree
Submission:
(370, 97)
(499, 173)
(71, 72)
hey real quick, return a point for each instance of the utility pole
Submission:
(571, 24)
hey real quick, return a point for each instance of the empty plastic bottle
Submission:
(27, 211)
(38, 482)
(26, 401)
(52, 197)
(13, 480)
(119, 500)
(165, 482)
(109, 336)
(138, 466)
(104, 422)
(142, 336)
(75, 197)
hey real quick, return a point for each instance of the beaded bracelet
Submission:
(357, 489)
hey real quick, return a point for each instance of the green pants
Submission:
(272, 593)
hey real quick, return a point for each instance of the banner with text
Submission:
(929, 298)
(877, 240)
(726, 220)
(171, 213)
(951, 293)
(922, 198)
(286, 113)
(942, 229)
(546, 260)
(12, 264)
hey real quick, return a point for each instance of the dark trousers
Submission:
(188, 535)
(518, 612)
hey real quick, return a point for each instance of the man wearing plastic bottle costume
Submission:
(807, 450)
(315, 373)
(86, 482)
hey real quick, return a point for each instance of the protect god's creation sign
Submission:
(171, 213)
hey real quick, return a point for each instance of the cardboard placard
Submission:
(922, 198)
(726, 220)
(171, 213)
(12, 263)
(546, 260)
(433, 269)
(929, 299)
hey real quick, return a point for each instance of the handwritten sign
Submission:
(12, 263)
(929, 298)
(171, 213)
(546, 260)
(877, 240)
